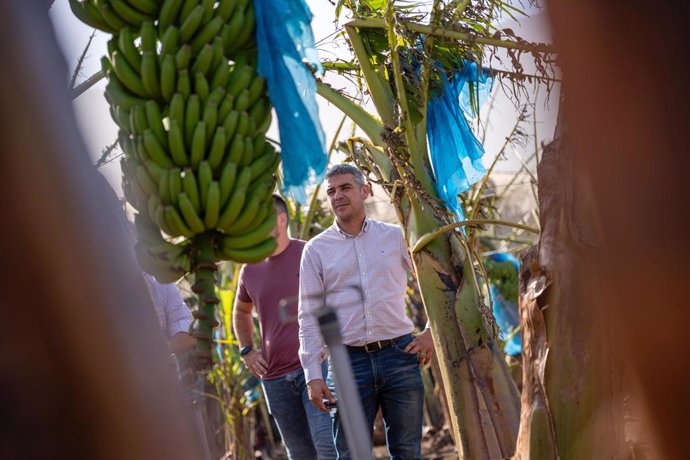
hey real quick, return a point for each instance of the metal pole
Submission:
(349, 404)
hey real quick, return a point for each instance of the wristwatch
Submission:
(245, 350)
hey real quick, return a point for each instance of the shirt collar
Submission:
(365, 227)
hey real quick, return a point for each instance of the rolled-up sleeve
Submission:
(311, 296)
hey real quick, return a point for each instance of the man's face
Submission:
(346, 196)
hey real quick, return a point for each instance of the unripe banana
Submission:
(187, 8)
(175, 184)
(210, 116)
(145, 182)
(154, 119)
(169, 41)
(203, 61)
(243, 125)
(169, 13)
(251, 255)
(248, 154)
(242, 101)
(184, 85)
(225, 9)
(138, 123)
(168, 73)
(155, 171)
(125, 42)
(210, 30)
(183, 57)
(191, 118)
(236, 150)
(164, 191)
(217, 150)
(212, 206)
(189, 214)
(226, 182)
(256, 89)
(261, 164)
(148, 7)
(205, 177)
(153, 203)
(236, 202)
(201, 86)
(154, 151)
(191, 189)
(176, 143)
(127, 76)
(111, 18)
(198, 150)
(239, 79)
(232, 29)
(225, 108)
(208, 10)
(148, 37)
(89, 15)
(191, 23)
(149, 74)
(177, 226)
(230, 123)
(128, 14)
(246, 218)
(221, 74)
(256, 236)
(176, 110)
(246, 36)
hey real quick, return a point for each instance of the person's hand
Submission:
(318, 391)
(182, 342)
(255, 362)
(422, 344)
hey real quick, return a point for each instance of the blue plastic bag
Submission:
(455, 152)
(505, 308)
(286, 44)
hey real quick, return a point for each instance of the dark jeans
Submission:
(305, 430)
(388, 379)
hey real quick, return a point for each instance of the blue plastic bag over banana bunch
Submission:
(286, 47)
(456, 154)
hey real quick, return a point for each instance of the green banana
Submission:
(246, 218)
(225, 107)
(184, 86)
(149, 7)
(154, 119)
(225, 9)
(190, 187)
(175, 184)
(248, 154)
(189, 214)
(169, 13)
(242, 101)
(191, 118)
(169, 41)
(230, 122)
(205, 177)
(209, 31)
(164, 190)
(232, 208)
(198, 149)
(220, 75)
(125, 43)
(89, 15)
(201, 86)
(191, 23)
(208, 10)
(210, 116)
(138, 122)
(236, 150)
(175, 223)
(261, 164)
(154, 150)
(183, 57)
(176, 143)
(145, 182)
(226, 182)
(239, 79)
(168, 72)
(203, 61)
(251, 255)
(256, 236)
(243, 125)
(149, 74)
(155, 171)
(127, 13)
(217, 150)
(110, 17)
(127, 76)
(176, 110)
(148, 37)
(232, 29)
(256, 89)
(212, 205)
(246, 36)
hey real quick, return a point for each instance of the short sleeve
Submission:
(242, 292)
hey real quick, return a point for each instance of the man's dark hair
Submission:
(346, 168)
(280, 205)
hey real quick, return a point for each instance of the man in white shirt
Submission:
(358, 266)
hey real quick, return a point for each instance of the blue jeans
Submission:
(388, 379)
(306, 431)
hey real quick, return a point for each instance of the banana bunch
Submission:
(192, 113)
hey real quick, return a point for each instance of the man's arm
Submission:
(243, 324)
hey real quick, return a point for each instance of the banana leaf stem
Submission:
(429, 237)
(462, 36)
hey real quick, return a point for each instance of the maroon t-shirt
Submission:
(265, 284)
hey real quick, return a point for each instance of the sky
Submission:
(99, 130)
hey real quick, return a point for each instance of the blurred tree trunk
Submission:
(82, 359)
(625, 70)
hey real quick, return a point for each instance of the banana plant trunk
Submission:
(571, 398)
(483, 400)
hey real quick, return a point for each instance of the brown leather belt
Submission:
(374, 346)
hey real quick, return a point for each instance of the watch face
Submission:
(245, 350)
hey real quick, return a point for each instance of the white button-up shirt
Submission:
(363, 278)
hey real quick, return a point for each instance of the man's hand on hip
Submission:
(318, 391)
(422, 344)
(255, 362)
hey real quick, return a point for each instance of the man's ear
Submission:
(366, 189)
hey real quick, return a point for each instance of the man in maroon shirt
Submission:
(306, 431)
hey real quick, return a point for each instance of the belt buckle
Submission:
(377, 343)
